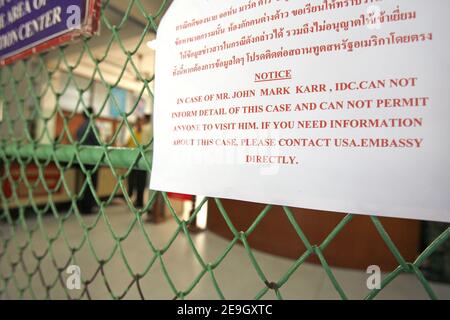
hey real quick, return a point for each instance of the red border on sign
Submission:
(180, 196)
(91, 27)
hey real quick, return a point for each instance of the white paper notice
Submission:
(331, 105)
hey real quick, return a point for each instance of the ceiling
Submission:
(113, 60)
(150, 6)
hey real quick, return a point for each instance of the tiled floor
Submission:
(235, 275)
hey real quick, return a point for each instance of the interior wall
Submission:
(357, 246)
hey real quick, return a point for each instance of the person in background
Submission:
(137, 179)
(156, 212)
(86, 136)
(147, 129)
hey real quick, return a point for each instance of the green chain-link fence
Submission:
(33, 111)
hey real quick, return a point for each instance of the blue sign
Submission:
(118, 102)
(25, 24)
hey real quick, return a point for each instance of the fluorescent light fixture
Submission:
(152, 44)
(202, 215)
